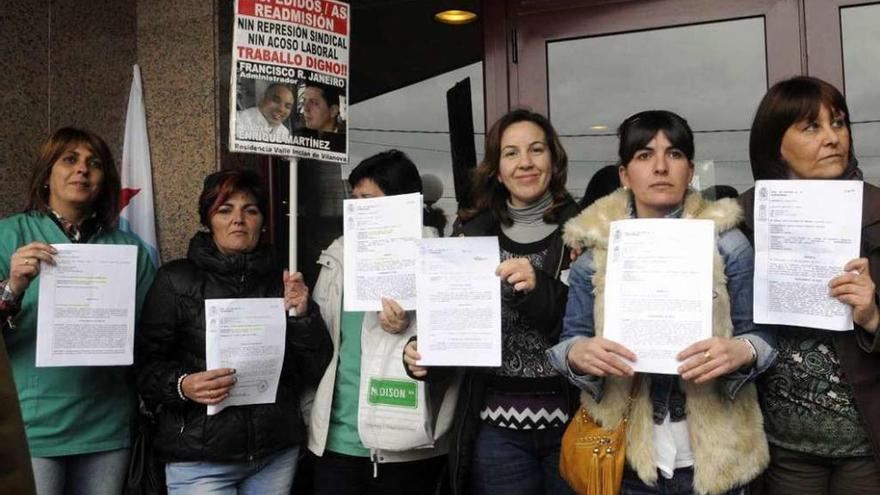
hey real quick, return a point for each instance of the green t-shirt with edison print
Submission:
(342, 436)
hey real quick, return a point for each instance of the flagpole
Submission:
(291, 220)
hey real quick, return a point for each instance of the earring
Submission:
(45, 186)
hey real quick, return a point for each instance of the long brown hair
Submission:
(491, 194)
(105, 207)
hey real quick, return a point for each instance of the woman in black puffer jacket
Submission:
(252, 448)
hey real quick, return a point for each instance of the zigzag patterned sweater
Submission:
(525, 393)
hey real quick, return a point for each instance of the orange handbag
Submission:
(592, 458)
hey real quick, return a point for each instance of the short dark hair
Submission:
(604, 182)
(329, 93)
(391, 170)
(786, 103)
(106, 205)
(490, 194)
(219, 186)
(720, 191)
(638, 130)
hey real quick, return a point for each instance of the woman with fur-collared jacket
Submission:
(702, 432)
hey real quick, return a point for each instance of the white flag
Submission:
(137, 177)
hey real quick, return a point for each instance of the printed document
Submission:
(85, 314)
(658, 288)
(459, 302)
(806, 231)
(248, 335)
(381, 246)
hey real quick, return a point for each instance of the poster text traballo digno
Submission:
(289, 88)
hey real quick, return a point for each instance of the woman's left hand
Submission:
(411, 357)
(858, 290)
(296, 293)
(519, 273)
(708, 359)
(393, 318)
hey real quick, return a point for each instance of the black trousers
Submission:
(338, 474)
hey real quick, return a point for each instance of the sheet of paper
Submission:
(381, 246)
(658, 288)
(248, 335)
(805, 233)
(459, 302)
(85, 314)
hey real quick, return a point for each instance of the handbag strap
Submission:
(633, 393)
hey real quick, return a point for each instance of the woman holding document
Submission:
(357, 452)
(77, 418)
(699, 432)
(821, 401)
(246, 449)
(510, 419)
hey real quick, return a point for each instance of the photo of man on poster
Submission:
(269, 119)
(320, 108)
(321, 114)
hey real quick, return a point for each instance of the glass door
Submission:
(590, 64)
(843, 40)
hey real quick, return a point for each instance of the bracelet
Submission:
(752, 349)
(6, 295)
(180, 387)
(10, 304)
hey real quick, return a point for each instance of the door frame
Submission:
(824, 39)
(521, 30)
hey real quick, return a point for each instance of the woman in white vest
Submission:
(700, 432)
(359, 451)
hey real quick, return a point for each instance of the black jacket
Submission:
(171, 341)
(545, 303)
(859, 350)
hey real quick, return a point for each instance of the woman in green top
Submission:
(76, 418)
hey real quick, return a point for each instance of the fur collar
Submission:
(590, 228)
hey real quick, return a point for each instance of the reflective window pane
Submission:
(712, 74)
(860, 33)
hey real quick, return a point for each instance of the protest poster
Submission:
(289, 81)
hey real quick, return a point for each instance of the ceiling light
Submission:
(599, 127)
(455, 17)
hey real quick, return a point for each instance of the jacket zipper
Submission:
(459, 434)
(561, 260)
(250, 432)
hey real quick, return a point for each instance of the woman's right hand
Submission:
(599, 356)
(410, 356)
(208, 387)
(24, 265)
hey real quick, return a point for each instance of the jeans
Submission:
(270, 475)
(339, 474)
(98, 473)
(681, 483)
(517, 462)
